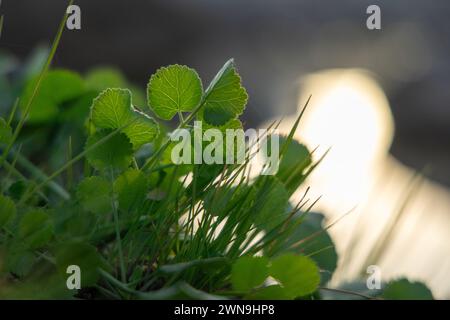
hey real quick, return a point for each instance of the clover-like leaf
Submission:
(115, 152)
(249, 272)
(174, 89)
(113, 109)
(298, 275)
(225, 96)
(94, 194)
(7, 210)
(131, 188)
(35, 229)
(57, 87)
(5, 132)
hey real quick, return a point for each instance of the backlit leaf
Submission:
(113, 109)
(174, 89)
(249, 272)
(225, 97)
(298, 275)
(274, 292)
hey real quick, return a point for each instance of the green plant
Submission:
(138, 225)
(132, 214)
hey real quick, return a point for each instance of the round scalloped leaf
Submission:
(94, 194)
(249, 272)
(5, 132)
(298, 275)
(131, 188)
(115, 152)
(113, 109)
(7, 210)
(174, 89)
(57, 87)
(225, 97)
(35, 229)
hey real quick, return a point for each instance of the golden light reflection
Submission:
(350, 114)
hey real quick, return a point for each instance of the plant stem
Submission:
(117, 229)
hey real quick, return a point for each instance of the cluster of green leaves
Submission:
(138, 225)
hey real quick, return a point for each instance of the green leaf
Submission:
(249, 272)
(225, 97)
(320, 247)
(274, 292)
(17, 189)
(102, 78)
(131, 188)
(298, 275)
(347, 290)
(94, 194)
(82, 255)
(116, 152)
(77, 110)
(5, 132)
(174, 89)
(143, 129)
(99, 79)
(113, 109)
(293, 164)
(402, 289)
(7, 210)
(271, 202)
(20, 261)
(57, 87)
(35, 229)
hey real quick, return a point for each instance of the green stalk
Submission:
(44, 71)
(123, 273)
(68, 164)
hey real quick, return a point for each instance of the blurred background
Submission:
(284, 49)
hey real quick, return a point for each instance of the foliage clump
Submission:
(138, 225)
